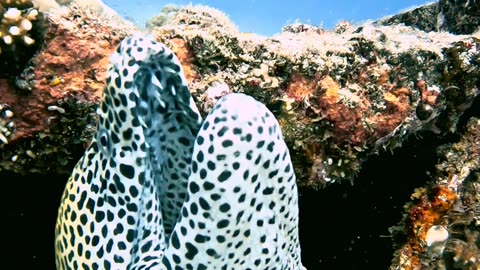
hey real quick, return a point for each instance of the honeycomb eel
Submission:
(160, 189)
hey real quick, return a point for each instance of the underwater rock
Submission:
(424, 18)
(440, 227)
(53, 100)
(340, 96)
(457, 17)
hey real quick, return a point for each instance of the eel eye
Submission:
(104, 141)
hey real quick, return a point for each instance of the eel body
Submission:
(160, 188)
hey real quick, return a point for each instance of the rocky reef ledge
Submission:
(341, 97)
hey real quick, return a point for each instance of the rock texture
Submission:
(441, 229)
(53, 100)
(339, 96)
(454, 16)
(459, 17)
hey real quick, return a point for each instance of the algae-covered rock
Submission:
(339, 96)
(440, 229)
(51, 104)
(424, 18)
(454, 16)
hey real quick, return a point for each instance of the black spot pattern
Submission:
(242, 183)
(129, 193)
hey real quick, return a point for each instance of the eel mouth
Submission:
(170, 121)
(162, 97)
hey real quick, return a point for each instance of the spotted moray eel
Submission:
(160, 188)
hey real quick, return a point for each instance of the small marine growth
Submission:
(21, 34)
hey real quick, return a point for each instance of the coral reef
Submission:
(21, 32)
(340, 96)
(440, 229)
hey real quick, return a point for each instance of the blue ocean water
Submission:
(267, 17)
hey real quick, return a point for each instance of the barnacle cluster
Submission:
(207, 34)
(7, 125)
(20, 32)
